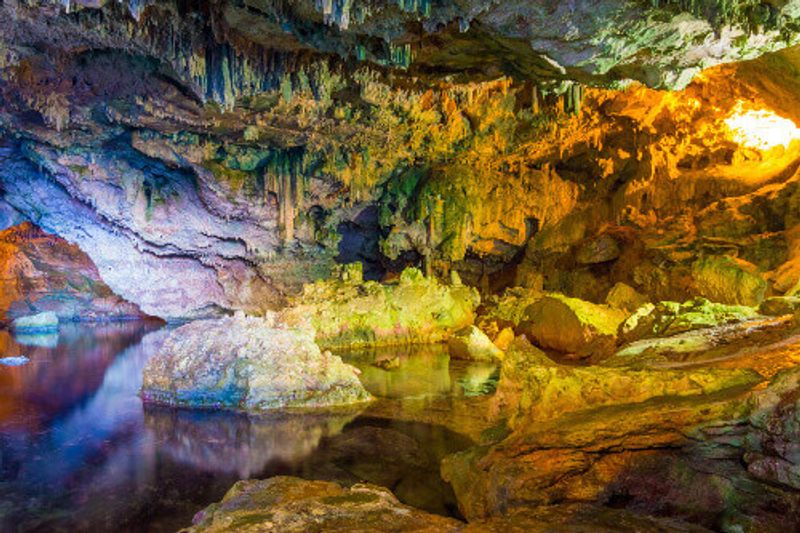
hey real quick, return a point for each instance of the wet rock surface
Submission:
(350, 313)
(293, 504)
(251, 364)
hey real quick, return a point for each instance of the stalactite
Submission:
(284, 177)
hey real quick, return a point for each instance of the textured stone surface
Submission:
(251, 364)
(471, 343)
(292, 504)
(572, 326)
(415, 309)
(44, 274)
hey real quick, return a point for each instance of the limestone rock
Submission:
(508, 309)
(670, 318)
(779, 305)
(42, 273)
(625, 297)
(572, 326)
(773, 443)
(600, 249)
(43, 322)
(416, 309)
(288, 504)
(251, 364)
(472, 344)
(728, 280)
(543, 389)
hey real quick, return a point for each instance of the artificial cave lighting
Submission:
(760, 129)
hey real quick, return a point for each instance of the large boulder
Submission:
(289, 504)
(572, 326)
(348, 313)
(248, 363)
(728, 280)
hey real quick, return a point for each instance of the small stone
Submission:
(472, 344)
(14, 361)
(47, 321)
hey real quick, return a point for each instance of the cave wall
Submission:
(216, 156)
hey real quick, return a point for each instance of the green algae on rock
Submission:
(248, 363)
(349, 313)
(670, 318)
(289, 504)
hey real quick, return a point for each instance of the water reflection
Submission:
(420, 372)
(238, 444)
(79, 452)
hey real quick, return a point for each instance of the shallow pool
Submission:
(79, 451)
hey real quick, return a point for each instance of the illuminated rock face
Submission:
(273, 152)
(44, 274)
(349, 313)
(249, 364)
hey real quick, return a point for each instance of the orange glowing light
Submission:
(760, 129)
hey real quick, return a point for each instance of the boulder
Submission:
(780, 305)
(728, 280)
(600, 249)
(671, 318)
(625, 297)
(42, 322)
(572, 326)
(248, 363)
(472, 344)
(289, 504)
(347, 313)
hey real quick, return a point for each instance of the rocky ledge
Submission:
(251, 364)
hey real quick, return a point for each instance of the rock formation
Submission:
(45, 276)
(250, 364)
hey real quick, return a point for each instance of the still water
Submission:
(80, 452)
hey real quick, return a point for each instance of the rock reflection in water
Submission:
(239, 444)
(421, 371)
(79, 452)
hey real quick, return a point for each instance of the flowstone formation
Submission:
(250, 364)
